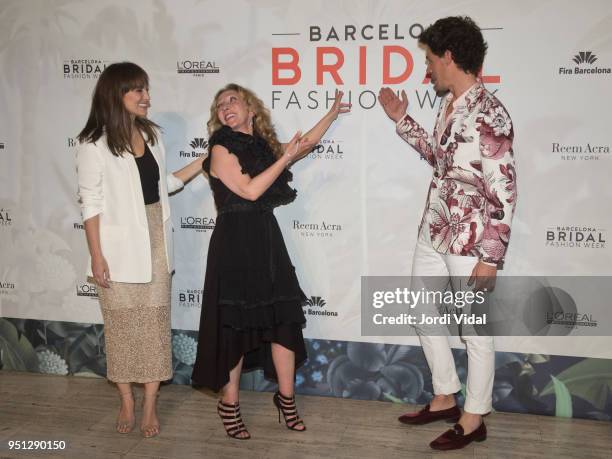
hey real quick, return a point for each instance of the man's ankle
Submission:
(442, 402)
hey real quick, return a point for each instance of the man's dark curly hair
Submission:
(462, 37)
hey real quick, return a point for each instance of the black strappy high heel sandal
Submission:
(232, 420)
(286, 405)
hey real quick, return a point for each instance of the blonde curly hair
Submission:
(262, 123)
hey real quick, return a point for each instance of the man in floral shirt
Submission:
(465, 228)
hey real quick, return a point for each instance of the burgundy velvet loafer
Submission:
(425, 416)
(455, 438)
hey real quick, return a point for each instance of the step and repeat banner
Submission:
(360, 193)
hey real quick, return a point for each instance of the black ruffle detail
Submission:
(263, 317)
(254, 156)
(252, 288)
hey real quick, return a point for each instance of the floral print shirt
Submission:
(472, 195)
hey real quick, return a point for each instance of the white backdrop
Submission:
(360, 199)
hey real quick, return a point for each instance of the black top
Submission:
(149, 176)
(255, 156)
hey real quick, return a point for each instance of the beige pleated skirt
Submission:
(137, 318)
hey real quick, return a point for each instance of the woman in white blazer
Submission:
(123, 193)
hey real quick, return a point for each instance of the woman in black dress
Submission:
(252, 304)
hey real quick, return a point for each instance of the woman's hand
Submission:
(306, 146)
(338, 106)
(303, 145)
(292, 149)
(99, 269)
(187, 173)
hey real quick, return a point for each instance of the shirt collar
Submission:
(462, 100)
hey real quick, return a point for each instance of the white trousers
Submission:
(434, 271)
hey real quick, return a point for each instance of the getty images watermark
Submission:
(426, 301)
(517, 306)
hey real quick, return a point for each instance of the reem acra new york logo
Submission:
(6, 287)
(318, 229)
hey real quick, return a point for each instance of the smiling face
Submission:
(137, 101)
(233, 111)
(438, 69)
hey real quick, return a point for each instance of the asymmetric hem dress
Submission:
(251, 296)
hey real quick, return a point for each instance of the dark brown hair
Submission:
(461, 36)
(108, 114)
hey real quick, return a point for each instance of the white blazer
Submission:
(109, 186)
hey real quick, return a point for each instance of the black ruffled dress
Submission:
(251, 293)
